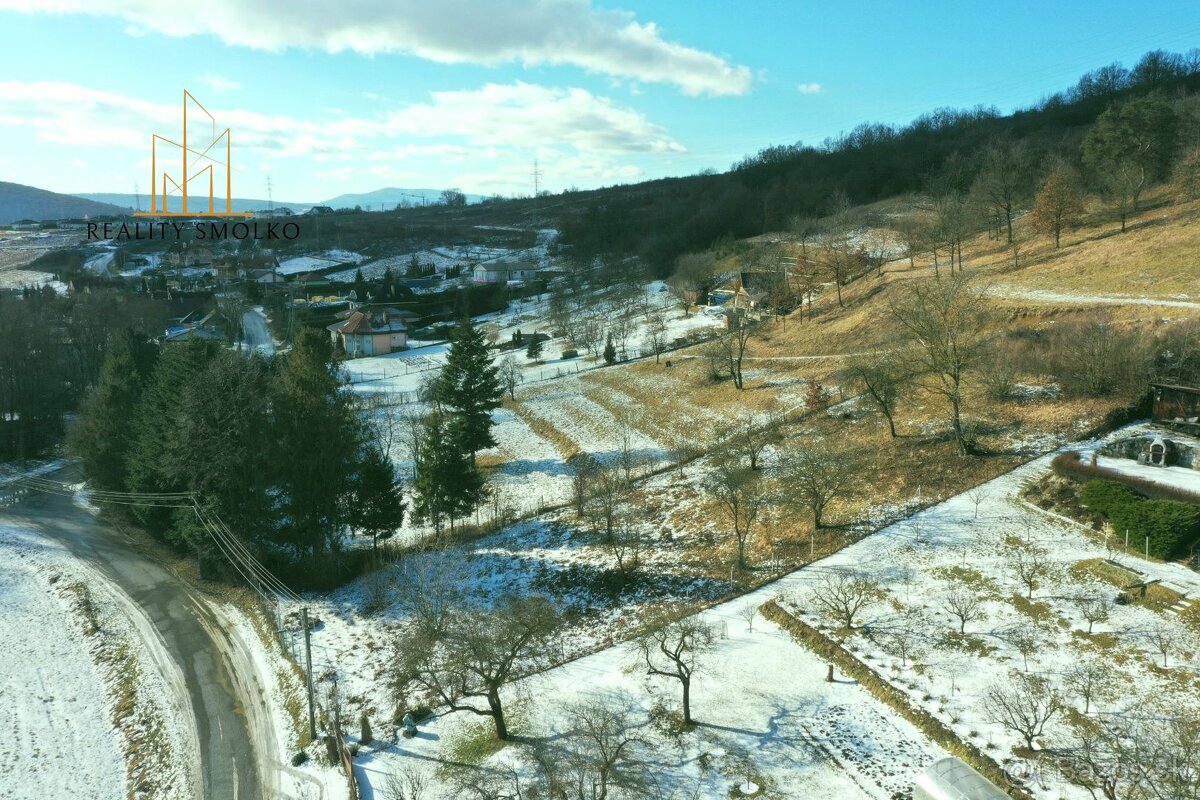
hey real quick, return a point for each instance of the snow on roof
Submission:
(298, 264)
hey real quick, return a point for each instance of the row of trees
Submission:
(51, 349)
(662, 220)
(274, 447)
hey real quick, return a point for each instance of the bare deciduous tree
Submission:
(404, 784)
(815, 477)
(511, 376)
(607, 494)
(978, 496)
(740, 492)
(475, 656)
(597, 759)
(1026, 639)
(1163, 638)
(1024, 704)
(905, 635)
(626, 544)
(843, 595)
(965, 605)
(583, 471)
(883, 376)
(749, 612)
(1093, 608)
(733, 344)
(1092, 679)
(945, 319)
(671, 648)
(1030, 564)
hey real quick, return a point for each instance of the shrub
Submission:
(570, 354)
(1107, 496)
(1172, 529)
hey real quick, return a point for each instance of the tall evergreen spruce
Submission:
(318, 440)
(610, 350)
(221, 450)
(103, 435)
(447, 484)
(154, 429)
(378, 507)
(470, 389)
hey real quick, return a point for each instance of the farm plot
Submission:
(983, 602)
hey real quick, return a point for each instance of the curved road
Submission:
(257, 332)
(229, 766)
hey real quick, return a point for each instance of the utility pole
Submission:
(312, 711)
(537, 178)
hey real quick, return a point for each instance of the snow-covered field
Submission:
(60, 732)
(763, 697)
(921, 561)
(761, 705)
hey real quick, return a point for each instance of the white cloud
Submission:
(489, 32)
(462, 123)
(527, 114)
(809, 88)
(219, 83)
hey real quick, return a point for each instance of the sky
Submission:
(326, 97)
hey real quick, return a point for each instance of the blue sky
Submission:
(331, 97)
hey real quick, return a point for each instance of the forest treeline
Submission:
(946, 148)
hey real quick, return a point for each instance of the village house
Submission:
(362, 332)
(504, 272)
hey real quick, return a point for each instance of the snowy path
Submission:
(1071, 298)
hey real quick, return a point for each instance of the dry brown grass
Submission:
(565, 445)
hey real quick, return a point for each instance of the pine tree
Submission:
(610, 350)
(447, 484)
(378, 508)
(318, 440)
(534, 348)
(469, 388)
(104, 434)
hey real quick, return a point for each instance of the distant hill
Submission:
(194, 204)
(390, 198)
(28, 202)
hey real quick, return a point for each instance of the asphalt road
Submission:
(188, 627)
(258, 334)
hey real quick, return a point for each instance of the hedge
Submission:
(932, 727)
(1106, 496)
(1172, 530)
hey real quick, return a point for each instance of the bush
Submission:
(1107, 496)
(1172, 529)
(570, 354)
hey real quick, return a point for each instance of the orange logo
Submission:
(191, 157)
